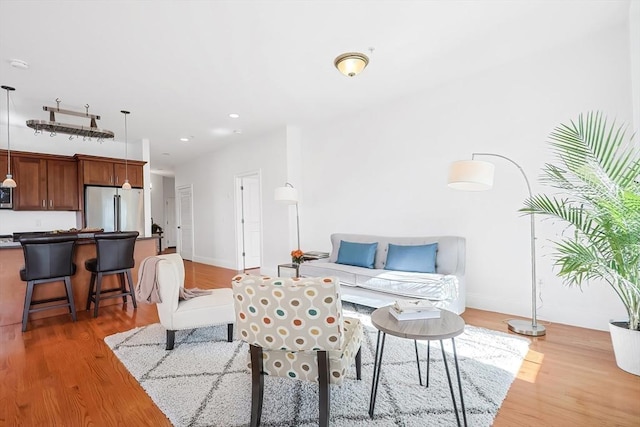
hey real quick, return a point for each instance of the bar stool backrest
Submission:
(114, 250)
(48, 257)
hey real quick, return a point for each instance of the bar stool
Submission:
(114, 255)
(47, 259)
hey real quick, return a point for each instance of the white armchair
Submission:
(206, 310)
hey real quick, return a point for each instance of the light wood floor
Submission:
(62, 373)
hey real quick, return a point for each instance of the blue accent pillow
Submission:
(417, 259)
(358, 254)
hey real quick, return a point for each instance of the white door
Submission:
(170, 222)
(249, 220)
(185, 223)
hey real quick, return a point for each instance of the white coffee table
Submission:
(449, 325)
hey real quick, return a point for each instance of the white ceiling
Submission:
(181, 67)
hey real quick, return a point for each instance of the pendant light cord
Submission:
(8, 89)
(126, 146)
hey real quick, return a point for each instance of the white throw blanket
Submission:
(147, 289)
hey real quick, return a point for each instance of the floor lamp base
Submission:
(525, 327)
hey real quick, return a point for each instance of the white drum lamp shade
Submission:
(288, 195)
(471, 175)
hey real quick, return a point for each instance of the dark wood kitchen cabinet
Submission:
(3, 166)
(45, 183)
(112, 173)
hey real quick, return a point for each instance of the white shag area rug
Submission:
(204, 381)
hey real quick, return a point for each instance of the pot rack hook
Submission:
(86, 109)
(58, 103)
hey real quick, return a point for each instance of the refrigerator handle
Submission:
(116, 212)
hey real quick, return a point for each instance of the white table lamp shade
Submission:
(471, 175)
(287, 195)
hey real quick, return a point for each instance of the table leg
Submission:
(377, 367)
(453, 396)
(455, 357)
(428, 360)
(415, 343)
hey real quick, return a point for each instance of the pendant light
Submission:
(125, 185)
(8, 182)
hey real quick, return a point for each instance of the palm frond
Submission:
(597, 174)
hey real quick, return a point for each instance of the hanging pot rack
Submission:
(91, 131)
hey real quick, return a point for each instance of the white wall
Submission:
(384, 171)
(213, 180)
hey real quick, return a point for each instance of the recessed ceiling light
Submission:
(166, 154)
(184, 139)
(234, 115)
(237, 131)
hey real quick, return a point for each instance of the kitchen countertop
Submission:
(83, 238)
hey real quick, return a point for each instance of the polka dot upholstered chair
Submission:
(295, 329)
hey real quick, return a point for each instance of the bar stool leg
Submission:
(72, 304)
(27, 305)
(131, 289)
(123, 289)
(92, 285)
(96, 302)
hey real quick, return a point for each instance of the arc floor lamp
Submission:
(477, 175)
(289, 195)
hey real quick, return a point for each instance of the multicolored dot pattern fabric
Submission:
(288, 313)
(292, 318)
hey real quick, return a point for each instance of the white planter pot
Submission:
(626, 347)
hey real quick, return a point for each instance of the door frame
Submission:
(240, 259)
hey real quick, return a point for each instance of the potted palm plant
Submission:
(597, 173)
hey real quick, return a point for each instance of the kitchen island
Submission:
(12, 289)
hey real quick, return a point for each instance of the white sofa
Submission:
(377, 287)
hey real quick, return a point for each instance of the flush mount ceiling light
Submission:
(184, 139)
(234, 115)
(351, 64)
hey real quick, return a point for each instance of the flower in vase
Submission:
(297, 256)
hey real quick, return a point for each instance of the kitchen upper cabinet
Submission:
(104, 172)
(132, 171)
(45, 183)
(98, 173)
(62, 185)
(3, 166)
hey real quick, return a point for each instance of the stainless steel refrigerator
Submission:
(114, 209)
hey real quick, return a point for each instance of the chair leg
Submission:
(96, 301)
(92, 285)
(171, 337)
(132, 289)
(230, 332)
(72, 304)
(123, 289)
(257, 385)
(359, 364)
(27, 305)
(323, 388)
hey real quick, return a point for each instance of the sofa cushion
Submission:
(414, 258)
(358, 254)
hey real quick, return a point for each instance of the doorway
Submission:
(185, 222)
(170, 222)
(249, 221)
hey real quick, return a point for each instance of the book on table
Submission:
(313, 255)
(414, 310)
